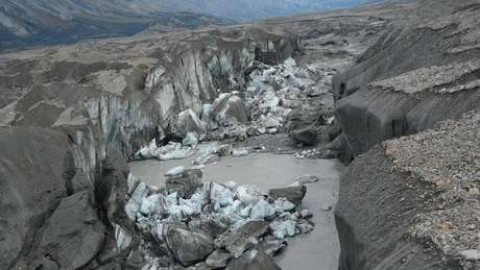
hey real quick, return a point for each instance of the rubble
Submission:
(277, 99)
(210, 225)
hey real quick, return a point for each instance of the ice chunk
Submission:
(134, 203)
(148, 151)
(470, 255)
(172, 199)
(247, 194)
(206, 158)
(175, 171)
(283, 205)
(239, 152)
(282, 229)
(231, 185)
(176, 212)
(191, 139)
(154, 205)
(290, 63)
(233, 210)
(220, 196)
(262, 210)
(245, 212)
(176, 154)
(122, 237)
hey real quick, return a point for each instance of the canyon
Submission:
(391, 90)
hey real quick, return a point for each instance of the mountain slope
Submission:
(249, 10)
(25, 23)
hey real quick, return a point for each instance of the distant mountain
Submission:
(252, 10)
(25, 23)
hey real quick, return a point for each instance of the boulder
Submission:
(253, 260)
(27, 191)
(273, 247)
(187, 121)
(73, 235)
(294, 194)
(188, 247)
(225, 150)
(272, 122)
(306, 136)
(253, 131)
(218, 259)
(305, 116)
(184, 183)
(242, 239)
(229, 109)
(210, 226)
(135, 259)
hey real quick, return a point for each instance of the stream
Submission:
(318, 249)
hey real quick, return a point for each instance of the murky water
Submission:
(317, 250)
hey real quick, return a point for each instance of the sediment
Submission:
(408, 114)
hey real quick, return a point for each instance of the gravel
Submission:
(447, 157)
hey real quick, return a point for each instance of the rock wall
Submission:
(129, 90)
(394, 212)
(414, 76)
(51, 215)
(376, 206)
(411, 204)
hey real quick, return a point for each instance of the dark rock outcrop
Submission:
(63, 208)
(306, 136)
(36, 166)
(375, 208)
(73, 234)
(401, 204)
(401, 209)
(413, 77)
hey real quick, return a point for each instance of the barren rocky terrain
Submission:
(392, 89)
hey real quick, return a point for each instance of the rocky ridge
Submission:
(410, 203)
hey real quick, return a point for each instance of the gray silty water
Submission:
(317, 250)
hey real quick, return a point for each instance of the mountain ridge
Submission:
(32, 23)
